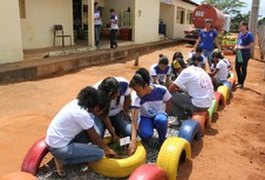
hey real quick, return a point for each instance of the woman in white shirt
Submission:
(65, 136)
(117, 117)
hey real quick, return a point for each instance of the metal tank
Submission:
(206, 11)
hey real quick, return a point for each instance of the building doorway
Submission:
(77, 19)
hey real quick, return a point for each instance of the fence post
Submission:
(136, 61)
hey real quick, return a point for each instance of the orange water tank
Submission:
(205, 11)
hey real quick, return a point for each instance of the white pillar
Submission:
(90, 20)
(10, 36)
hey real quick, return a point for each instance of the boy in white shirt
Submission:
(198, 57)
(97, 23)
(113, 29)
(220, 73)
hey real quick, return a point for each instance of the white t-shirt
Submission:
(198, 84)
(97, 19)
(160, 74)
(115, 107)
(114, 22)
(153, 103)
(202, 59)
(70, 121)
(223, 72)
(228, 64)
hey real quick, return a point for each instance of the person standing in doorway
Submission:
(113, 21)
(97, 23)
(245, 41)
(206, 40)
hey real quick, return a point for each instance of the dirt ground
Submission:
(233, 148)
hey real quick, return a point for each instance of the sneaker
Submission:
(174, 122)
(239, 86)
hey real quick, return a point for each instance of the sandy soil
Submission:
(233, 148)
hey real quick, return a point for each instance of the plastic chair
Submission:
(59, 33)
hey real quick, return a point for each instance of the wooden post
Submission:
(136, 61)
(253, 20)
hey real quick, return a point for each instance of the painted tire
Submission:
(219, 100)
(149, 172)
(120, 168)
(34, 157)
(230, 87)
(201, 118)
(233, 81)
(225, 92)
(212, 110)
(18, 176)
(190, 130)
(171, 152)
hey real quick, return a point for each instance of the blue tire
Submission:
(190, 130)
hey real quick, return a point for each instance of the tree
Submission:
(261, 21)
(231, 7)
(237, 19)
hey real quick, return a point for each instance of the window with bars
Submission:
(189, 17)
(180, 15)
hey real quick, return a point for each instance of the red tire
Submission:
(219, 99)
(149, 172)
(34, 157)
(201, 118)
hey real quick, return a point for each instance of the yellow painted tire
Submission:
(170, 154)
(224, 91)
(120, 168)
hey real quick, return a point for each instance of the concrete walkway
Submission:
(46, 63)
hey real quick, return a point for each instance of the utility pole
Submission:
(253, 20)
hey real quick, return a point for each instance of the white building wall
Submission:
(41, 16)
(180, 28)
(146, 20)
(167, 15)
(10, 36)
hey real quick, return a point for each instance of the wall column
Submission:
(10, 36)
(90, 19)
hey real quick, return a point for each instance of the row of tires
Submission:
(176, 149)
(173, 150)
